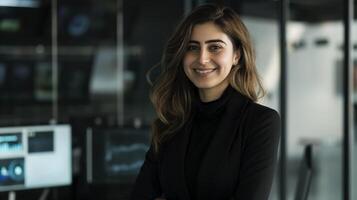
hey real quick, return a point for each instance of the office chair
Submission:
(305, 175)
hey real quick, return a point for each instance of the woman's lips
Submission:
(204, 71)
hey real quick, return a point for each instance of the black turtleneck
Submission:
(207, 116)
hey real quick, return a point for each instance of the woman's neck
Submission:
(211, 94)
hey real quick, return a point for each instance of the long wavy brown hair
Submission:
(172, 92)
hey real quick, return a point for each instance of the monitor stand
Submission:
(44, 194)
(12, 195)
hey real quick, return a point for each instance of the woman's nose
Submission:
(204, 57)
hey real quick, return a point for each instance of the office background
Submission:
(83, 63)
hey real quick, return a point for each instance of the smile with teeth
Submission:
(204, 71)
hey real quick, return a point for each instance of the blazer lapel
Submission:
(175, 163)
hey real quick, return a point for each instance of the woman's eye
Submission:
(193, 48)
(215, 48)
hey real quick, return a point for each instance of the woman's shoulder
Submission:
(262, 121)
(257, 110)
(251, 108)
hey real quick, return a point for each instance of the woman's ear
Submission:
(236, 57)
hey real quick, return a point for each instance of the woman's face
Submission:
(209, 57)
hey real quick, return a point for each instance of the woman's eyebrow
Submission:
(208, 41)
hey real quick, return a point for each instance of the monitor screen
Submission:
(21, 83)
(16, 82)
(43, 83)
(3, 87)
(74, 79)
(115, 155)
(2, 74)
(74, 74)
(23, 24)
(85, 23)
(35, 157)
(20, 3)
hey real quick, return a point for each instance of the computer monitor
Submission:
(20, 3)
(21, 83)
(22, 22)
(74, 74)
(74, 79)
(35, 157)
(115, 155)
(80, 24)
(3, 87)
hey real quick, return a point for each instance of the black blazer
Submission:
(239, 163)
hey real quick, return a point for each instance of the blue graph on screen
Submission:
(11, 143)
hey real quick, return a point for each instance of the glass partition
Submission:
(315, 96)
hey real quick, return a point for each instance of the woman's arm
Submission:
(147, 185)
(259, 157)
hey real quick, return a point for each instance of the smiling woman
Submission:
(209, 58)
(211, 140)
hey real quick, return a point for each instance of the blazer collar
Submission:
(221, 144)
(218, 148)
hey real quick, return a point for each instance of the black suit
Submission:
(238, 164)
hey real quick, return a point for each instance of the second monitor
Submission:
(35, 157)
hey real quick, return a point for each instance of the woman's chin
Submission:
(204, 85)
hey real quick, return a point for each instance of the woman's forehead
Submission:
(208, 31)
